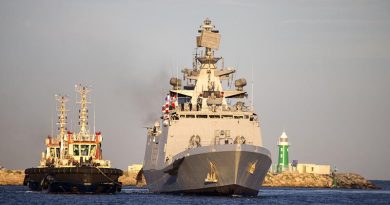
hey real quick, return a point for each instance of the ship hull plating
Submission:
(239, 169)
(78, 180)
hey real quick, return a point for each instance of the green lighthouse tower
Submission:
(283, 162)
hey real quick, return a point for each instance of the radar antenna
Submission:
(209, 37)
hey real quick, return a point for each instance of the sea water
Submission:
(133, 195)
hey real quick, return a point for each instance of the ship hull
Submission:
(233, 164)
(78, 180)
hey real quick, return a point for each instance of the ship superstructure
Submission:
(208, 140)
(69, 149)
(72, 162)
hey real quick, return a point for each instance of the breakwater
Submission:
(338, 180)
(288, 179)
(11, 177)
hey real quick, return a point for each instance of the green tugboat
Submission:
(73, 162)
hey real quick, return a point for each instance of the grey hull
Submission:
(189, 170)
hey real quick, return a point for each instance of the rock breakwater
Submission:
(11, 177)
(339, 180)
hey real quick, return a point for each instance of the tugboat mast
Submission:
(83, 112)
(62, 116)
(62, 122)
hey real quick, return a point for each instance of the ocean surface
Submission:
(133, 195)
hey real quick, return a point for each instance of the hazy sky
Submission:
(321, 71)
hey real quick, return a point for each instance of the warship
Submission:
(208, 140)
(73, 162)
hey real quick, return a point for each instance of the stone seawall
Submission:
(11, 177)
(130, 179)
(340, 180)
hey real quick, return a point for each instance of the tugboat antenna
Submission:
(52, 126)
(94, 115)
(52, 121)
(252, 103)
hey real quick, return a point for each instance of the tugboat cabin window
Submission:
(58, 152)
(93, 150)
(52, 152)
(76, 150)
(84, 150)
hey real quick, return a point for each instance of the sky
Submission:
(321, 71)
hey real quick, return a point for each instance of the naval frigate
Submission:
(208, 140)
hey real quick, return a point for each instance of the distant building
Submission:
(313, 168)
(134, 168)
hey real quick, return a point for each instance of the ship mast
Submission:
(62, 116)
(62, 121)
(83, 112)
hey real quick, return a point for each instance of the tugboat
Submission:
(73, 162)
(208, 140)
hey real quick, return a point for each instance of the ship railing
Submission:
(84, 138)
(217, 142)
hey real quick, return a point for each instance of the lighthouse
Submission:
(283, 153)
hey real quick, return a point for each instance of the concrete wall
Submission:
(303, 168)
(313, 168)
(134, 168)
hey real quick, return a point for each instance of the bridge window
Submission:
(58, 152)
(52, 152)
(84, 150)
(76, 150)
(227, 116)
(93, 150)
